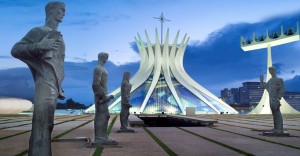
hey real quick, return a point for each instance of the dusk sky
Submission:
(93, 26)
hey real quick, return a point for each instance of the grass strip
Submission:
(5, 120)
(160, 143)
(109, 129)
(248, 123)
(99, 150)
(216, 142)
(260, 121)
(70, 130)
(22, 153)
(15, 121)
(19, 120)
(254, 125)
(15, 126)
(5, 137)
(31, 123)
(72, 120)
(278, 143)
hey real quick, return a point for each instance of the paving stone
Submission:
(133, 144)
(253, 146)
(183, 143)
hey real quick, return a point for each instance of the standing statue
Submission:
(101, 102)
(125, 102)
(275, 89)
(43, 50)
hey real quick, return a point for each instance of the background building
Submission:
(231, 96)
(14, 105)
(293, 98)
(251, 93)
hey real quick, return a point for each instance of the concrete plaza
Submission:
(232, 135)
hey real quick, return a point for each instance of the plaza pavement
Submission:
(232, 135)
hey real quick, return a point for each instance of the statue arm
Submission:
(27, 47)
(281, 89)
(36, 42)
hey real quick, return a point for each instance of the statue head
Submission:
(126, 76)
(55, 11)
(272, 71)
(102, 57)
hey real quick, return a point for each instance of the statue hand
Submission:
(47, 44)
(261, 78)
(111, 97)
(61, 97)
(108, 98)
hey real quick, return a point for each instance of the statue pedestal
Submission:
(271, 133)
(125, 131)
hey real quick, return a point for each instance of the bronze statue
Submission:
(275, 89)
(125, 102)
(43, 50)
(101, 102)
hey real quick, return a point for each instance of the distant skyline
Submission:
(213, 56)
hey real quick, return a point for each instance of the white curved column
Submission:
(147, 68)
(142, 74)
(193, 83)
(166, 69)
(150, 53)
(174, 65)
(156, 72)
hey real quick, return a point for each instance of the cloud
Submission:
(215, 63)
(220, 59)
(79, 77)
(134, 47)
(18, 82)
(81, 22)
(77, 59)
(16, 3)
(122, 57)
(278, 67)
(85, 14)
(293, 85)
(114, 18)
(92, 19)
